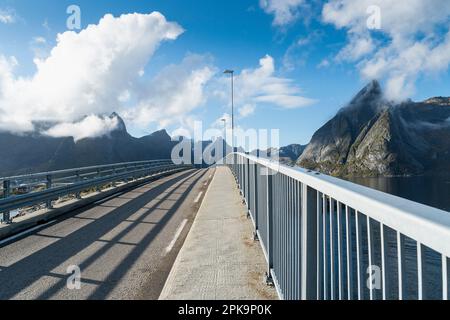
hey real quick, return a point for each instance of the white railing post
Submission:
(348, 243)
(359, 255)
(444, 278)
(334, 238)
(386, 284)
(320, 261)
(255, 200)
(401, 266)
(269, 224)
(308, 243)
(420, 270)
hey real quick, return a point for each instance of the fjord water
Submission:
(432, 191)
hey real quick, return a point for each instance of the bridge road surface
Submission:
(124, 246)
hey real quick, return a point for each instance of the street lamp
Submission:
(232, 105)
(224, 148)
(224, 125)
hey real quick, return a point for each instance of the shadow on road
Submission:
(25, 272)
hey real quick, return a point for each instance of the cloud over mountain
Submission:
(89, 127)
(414, 40)
(85, 73)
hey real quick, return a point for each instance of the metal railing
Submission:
(326, 238)
(24, 191)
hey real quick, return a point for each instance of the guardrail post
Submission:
(98, 189)
(269, 278)
(49, 204)
(309, 243)
(6, 194)
(114, 183)
(78, 194)
(255, 208)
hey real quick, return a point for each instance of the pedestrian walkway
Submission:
(220, 260)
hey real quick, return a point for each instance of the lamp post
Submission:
(224, 128)
(224, 140)
(232, 105)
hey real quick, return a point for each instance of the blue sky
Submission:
(304, 47)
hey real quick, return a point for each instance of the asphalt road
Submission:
(124, 246)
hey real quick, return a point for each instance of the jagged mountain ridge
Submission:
(35, 152)
(287, 155)
(374, 137)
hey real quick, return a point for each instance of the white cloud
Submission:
(46, 25)
(325, 63)
(85, 73)
(181, 132)
(39, 40)
(247, 110)
(7, 16)
(416, 40)
(261, 85)
(174, 92)
(358, 47)
(40, 47)
(124, 96)
(299, 51)
(90, 127)
(286, 100)
(284, 11)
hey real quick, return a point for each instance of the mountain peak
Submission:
(369, 100)
(370, 92)
(160, 133)
(121, 124)
(160, 136)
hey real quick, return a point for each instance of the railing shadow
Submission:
(30, 269)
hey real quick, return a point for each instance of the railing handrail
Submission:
(427, 225)
(74, 181)
(74, 170)
(14, 202)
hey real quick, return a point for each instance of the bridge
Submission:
(249, 229)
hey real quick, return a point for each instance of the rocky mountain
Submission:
(374, 137)
(35, 152)
(292, 152)
(288, 154)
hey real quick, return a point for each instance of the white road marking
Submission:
(198, 197)
(21, 234)
(177, 235)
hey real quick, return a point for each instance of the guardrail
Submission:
(44, 188)
(326, 238)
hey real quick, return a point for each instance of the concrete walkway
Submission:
(219, 260)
